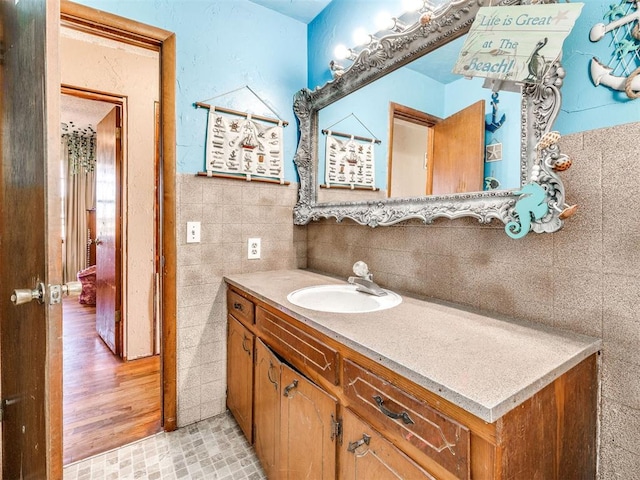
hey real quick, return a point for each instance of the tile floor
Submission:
(211, 449)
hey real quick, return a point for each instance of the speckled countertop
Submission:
(484, 364)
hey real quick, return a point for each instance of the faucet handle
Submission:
(361, 269)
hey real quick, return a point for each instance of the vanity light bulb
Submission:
(341, 52)
(384, 21)
(361, 37)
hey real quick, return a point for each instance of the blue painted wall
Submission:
(223, 45)
(371, 106)
(584, 107)
(335, 25)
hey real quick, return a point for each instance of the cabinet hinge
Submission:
(118, 316)
(118, 133)
(1, 60)
(336, 429)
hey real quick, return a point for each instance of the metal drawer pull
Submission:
(404, 415)
(290, 387)
(244, 347)
(237, 306)
(363, 441)
(271, 367)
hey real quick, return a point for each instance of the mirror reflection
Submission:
(430, 132)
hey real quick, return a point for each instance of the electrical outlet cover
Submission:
(253, 249)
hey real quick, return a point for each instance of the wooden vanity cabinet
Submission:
(266, 417)
(322, 410)
(241, 308)
(240, 345)
(365, 454)
(307, 435)
(293, 421)
(414, 424)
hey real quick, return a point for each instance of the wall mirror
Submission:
(382, 96)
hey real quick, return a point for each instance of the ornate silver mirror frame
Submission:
(540, 157)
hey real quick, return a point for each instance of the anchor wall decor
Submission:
(622, 73)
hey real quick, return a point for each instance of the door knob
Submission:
(97, 241)
(26, 295)
(71, 289)
(54, 293)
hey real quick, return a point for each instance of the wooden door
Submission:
(108, 258)
(366, 455)
(266, 413)
(458, 152)
(240, 375)
(408, 163)
(307, 443)
(30, 239)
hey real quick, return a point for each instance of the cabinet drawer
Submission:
(391, 409)
(367, 455)
(240, 308)
(302, 350)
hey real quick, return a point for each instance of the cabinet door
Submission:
(366, 455)
(308, 444)
(266, 414)
(240, 375)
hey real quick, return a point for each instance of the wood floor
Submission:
(107, 403)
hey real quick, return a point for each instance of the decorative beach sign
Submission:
(516, 43)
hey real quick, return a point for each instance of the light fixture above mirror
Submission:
(539, 157)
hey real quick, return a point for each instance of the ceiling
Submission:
(301, 10)
(79, 114)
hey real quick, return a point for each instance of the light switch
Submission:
(193, 232)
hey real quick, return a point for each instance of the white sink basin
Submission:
(342, 299)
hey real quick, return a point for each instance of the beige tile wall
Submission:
(230, 211)
(584, 278)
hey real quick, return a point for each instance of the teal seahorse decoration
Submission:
(530, 206)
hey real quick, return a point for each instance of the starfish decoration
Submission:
(561, 16)
(625, 47)
(614, 12)
(494, 152)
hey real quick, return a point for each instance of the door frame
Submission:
(96, 22)
(120, 103)
(402, 112)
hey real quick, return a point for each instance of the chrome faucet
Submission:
(364, 280)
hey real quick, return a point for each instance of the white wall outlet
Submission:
(253, 249)
(193, 232)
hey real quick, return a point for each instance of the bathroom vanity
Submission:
(421, 390)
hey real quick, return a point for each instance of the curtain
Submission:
(80, 197)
